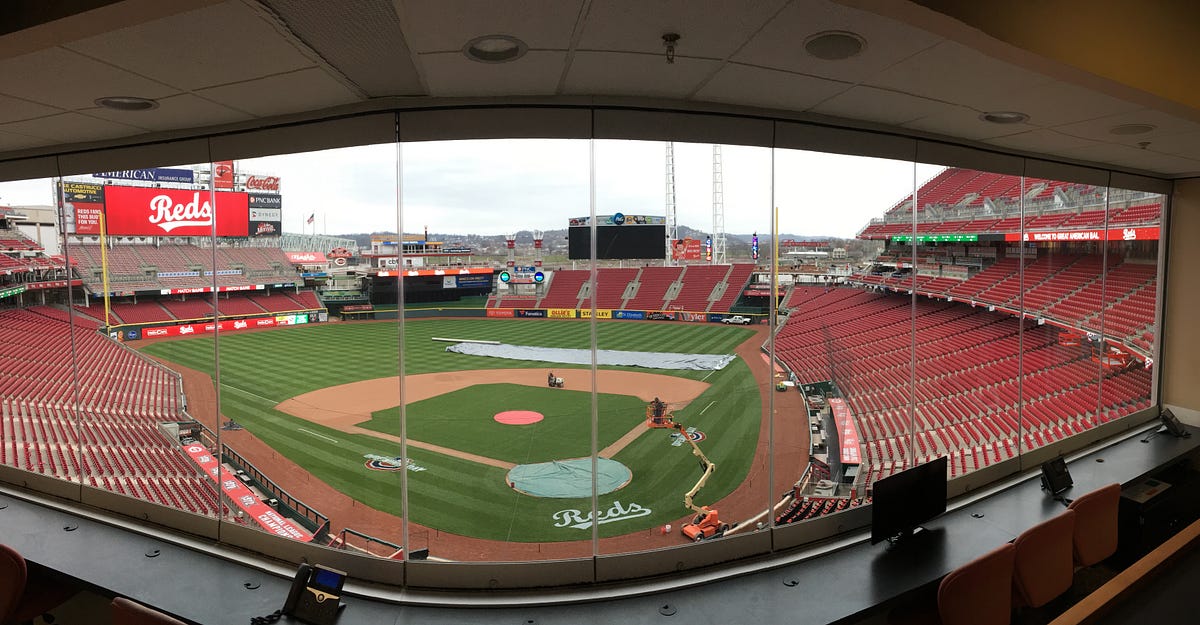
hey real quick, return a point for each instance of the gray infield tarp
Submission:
(650, 360)
(654, 360)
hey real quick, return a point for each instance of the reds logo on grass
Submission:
(692, 433)
(390, 463)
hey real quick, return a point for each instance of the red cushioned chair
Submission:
(1095, 537)
(126, 612)
(980, 591)
(1044, 564)
(26, 594)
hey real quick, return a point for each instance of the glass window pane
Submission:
(848, 335)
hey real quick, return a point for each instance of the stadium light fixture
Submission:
(495, 49)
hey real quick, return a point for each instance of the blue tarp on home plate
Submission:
(567, 479)
(650, 360)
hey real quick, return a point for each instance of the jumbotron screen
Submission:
(618, 237)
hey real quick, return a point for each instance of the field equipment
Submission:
(706, 523)
(553, 382)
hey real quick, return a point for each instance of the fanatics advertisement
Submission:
(142, 211)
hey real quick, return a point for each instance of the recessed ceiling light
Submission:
(1131, 129)
(495, 49)
(834, 45)
(126, 103)
(1004, 117)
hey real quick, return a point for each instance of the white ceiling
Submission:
(214, 63)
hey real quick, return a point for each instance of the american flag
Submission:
(311, 217)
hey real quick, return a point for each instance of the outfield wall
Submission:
(546, 313)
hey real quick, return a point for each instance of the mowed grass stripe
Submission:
(460, 496)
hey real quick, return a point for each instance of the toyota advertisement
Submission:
(142, 211)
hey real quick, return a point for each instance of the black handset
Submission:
(299, 585)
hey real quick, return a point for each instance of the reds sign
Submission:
(263, 183)
(162, 212)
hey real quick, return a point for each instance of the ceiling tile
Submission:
(715, 32)
(12, 141)
(71, 128)
(965, 123)
(71, 81)
(447, 25)
(649, 75)
(780, 44)
(216, 45)
(954, 73)
(1187, 144)
(1057, 103)
(1127, 156)
(181, 111)
(1039, 140)
(768, 88)
(450, 74)
(13, 109)
(880, 105)
(1098, 129)
(305, 90)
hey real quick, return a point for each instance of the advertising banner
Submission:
(188, 329)
(140, 211)
(52, 284)
(266, 216)
(449, 282)
(11, 291)
(505, 313)
(601, 313)
(536, 313)
(222, 175)
(157, 174)
(82, 204)
(244, 498)
(262, 183)
(847, 431)
(132, 334)
(685, 249)
(560, 313)
(208, 289)
(306, 258)
(477, 281)
(1114, 234)
(629, 314)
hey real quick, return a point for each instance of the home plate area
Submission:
(566, 479)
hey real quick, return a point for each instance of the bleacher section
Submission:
(694, 284)
(113, 441)
(970, 364)
(698, 282)
(563, 291)
(969, 201)
(140, 267)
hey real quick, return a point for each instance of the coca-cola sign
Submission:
(142, 211)
(262, 183)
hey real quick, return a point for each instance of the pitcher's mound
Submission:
(518, 417)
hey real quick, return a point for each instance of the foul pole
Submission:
(104, 270)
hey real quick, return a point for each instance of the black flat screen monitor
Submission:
(900, 503)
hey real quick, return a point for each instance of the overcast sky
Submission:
(502, 186)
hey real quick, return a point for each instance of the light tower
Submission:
(718, 237)
(511, 241)
(672, 222)
(538, 235)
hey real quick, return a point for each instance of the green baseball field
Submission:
(458, 452)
